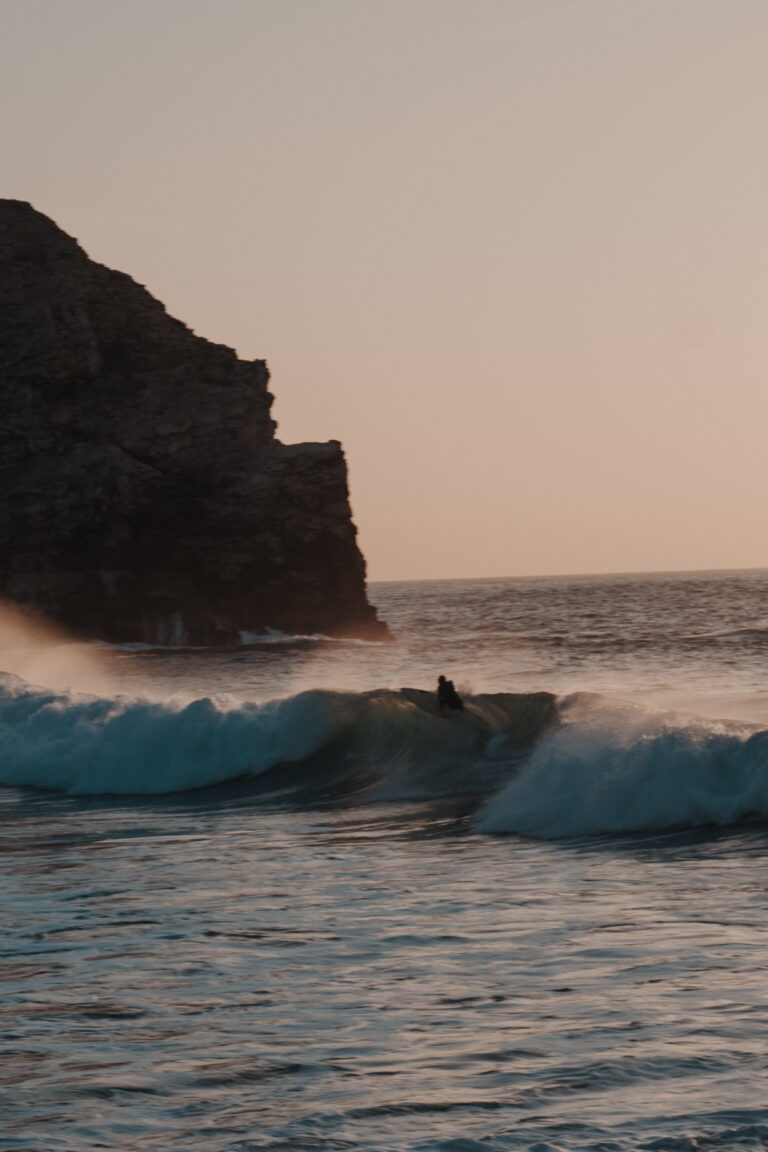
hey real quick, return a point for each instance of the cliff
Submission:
(143, 494)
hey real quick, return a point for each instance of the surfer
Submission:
(447, 696)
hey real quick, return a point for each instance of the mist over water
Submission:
(255, 898)
(41, 653)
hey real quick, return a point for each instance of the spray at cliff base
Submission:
(259, 898)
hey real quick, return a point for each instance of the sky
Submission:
(512, 253)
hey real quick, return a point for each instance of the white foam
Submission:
(271, 636)
(614, 770)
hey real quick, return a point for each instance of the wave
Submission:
(612, 768)
(93, 745)
(582, 766)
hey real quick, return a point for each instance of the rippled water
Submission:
(296, 960)
(695, 640)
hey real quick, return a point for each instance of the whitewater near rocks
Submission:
(257, 898)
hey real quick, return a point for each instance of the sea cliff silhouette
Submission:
(143, 493)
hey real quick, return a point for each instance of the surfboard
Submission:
(520, 716)
(427, 701)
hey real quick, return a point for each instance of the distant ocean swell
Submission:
(602, 767)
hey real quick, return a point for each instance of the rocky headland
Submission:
(143, 493)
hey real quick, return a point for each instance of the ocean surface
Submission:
(257, 899)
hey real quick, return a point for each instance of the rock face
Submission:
(143, 494)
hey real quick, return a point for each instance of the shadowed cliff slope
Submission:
(143, 494)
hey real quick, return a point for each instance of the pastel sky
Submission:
(512, 253)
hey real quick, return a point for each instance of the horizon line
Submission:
(565, 575)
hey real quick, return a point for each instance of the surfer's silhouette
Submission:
(447, 696)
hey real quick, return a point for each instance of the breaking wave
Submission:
(616, 768)
(534, 767)
(93, 745)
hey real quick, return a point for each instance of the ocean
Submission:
(257, 899)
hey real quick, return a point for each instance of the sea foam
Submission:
(616, 768)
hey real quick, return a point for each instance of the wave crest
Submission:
(616, 768)
(93, 745)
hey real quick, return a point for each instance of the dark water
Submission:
(306, 915)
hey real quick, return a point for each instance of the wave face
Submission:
(616, 768)
(88, 745)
